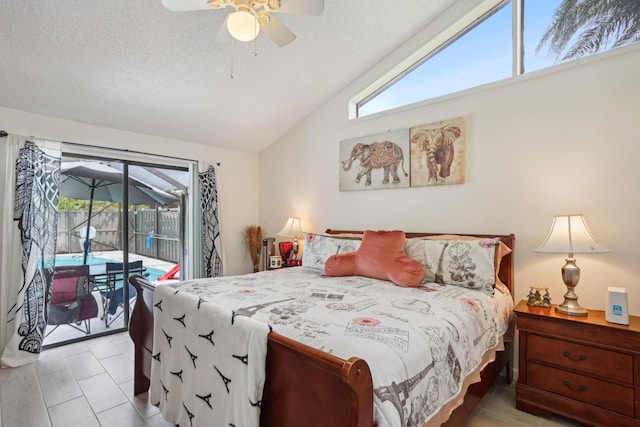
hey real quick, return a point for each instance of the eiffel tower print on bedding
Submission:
(420, 343)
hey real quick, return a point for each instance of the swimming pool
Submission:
(70, 259)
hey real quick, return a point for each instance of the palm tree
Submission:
(592, 26)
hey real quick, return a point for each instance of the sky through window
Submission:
(484, 54)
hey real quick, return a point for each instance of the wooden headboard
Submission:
(506, 266)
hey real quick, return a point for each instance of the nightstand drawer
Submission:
(579, 387)
(590, 360)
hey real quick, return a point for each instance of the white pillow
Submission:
(319, 247)
(465, 263)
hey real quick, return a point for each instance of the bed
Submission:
(306, 386)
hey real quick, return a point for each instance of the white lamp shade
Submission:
(243, 26)
(292, 228)
(569, 234)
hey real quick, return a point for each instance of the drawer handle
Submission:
(568, 356)
(580, 389)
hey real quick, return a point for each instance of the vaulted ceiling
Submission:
(135, 66)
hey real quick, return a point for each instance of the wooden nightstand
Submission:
(580, 367)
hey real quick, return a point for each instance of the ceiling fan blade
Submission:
(277, 32)
(301, 7)
(185, 5)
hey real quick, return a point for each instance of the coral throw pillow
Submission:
(381, 255)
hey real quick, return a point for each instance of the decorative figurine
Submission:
(536, 299)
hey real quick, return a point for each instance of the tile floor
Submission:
(90, 383)
(498, 409)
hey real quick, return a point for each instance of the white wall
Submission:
(237, 175)
(554, 142)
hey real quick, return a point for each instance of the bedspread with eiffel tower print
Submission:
(208, 365)
(420, 343)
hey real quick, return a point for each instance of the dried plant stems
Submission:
(253, 236)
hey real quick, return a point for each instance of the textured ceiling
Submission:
(133, 65)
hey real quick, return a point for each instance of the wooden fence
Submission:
(162, 244)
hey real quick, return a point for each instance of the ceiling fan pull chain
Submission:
(232, 43)
(255, 40)
(255, 47)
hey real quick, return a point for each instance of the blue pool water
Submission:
(65, 259)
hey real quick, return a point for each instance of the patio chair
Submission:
(71, 302)
(113, 295)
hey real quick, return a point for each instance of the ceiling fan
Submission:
(252, 16)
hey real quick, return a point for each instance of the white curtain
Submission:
(210, 223)
(29, 184)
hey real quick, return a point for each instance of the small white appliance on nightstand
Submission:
(617, 310)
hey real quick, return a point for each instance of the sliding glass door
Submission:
(118, 217)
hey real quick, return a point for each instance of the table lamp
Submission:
(293, 229)
(569, 234)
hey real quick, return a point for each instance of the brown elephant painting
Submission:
(379, 161)
(437, 153)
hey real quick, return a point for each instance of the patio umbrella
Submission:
(85, 180)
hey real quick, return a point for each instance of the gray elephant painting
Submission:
(384, 155)
(437, 143)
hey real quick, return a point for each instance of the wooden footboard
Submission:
(308, 387)
(302, 383)
(305, 384)
(141, 333)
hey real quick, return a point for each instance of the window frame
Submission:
(441, 41)
(469, 20)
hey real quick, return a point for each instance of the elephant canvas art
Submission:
(375, 162)
(438, 153)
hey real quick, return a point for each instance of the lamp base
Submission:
(570, 304)
(571, 309)
(570, 277)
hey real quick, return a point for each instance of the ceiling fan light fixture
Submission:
(243, 26)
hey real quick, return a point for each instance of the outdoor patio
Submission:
(97, 218)
(154, 267)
